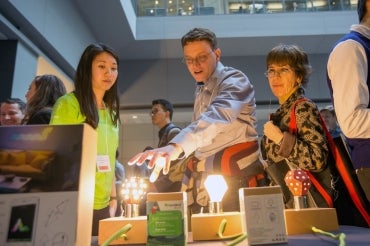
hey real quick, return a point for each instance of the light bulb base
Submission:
(300, 202)
(131, 210)
(215, 207)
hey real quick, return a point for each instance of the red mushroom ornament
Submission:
(299, 184)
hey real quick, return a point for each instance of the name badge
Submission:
(102, 163)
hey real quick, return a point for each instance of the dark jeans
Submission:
(230, 202)
(98, 215)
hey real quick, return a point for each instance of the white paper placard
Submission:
(262, 211)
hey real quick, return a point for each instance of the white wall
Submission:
(59, 23)
(24, 72)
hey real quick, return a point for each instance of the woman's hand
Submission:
(273, 132)
(113, 207)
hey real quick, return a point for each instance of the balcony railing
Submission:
(221, 7)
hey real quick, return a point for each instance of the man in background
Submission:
(162, 112)
(328, 115)
(12, 112)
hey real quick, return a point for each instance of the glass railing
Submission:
(220, 7)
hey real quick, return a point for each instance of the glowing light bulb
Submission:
(216, 187)
(133, 190)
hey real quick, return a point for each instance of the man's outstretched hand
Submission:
(159, 159)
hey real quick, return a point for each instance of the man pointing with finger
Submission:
(222, 137)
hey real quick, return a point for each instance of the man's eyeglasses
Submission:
(276, 72)
(154, 111)
(197, 60)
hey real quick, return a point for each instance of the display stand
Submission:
(48, 199)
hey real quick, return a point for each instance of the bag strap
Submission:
(293, 130)
(348, 180)
(169, 128)
(320, 189)
(293, 123)
(340, 166)
(345, 175)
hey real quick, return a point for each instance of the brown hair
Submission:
(48, 89)
(292, 55)
(200, 34)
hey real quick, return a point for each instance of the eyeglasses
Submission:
(154, 111)
(278, 72)
(197, 60)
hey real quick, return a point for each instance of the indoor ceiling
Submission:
(109, 24)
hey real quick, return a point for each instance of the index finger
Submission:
(134, 159)
(138, 159)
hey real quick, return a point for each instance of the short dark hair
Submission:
(329, 109)
(361, 9)
(200, 34)
(21, 104)
(292, 55)
(166, 105)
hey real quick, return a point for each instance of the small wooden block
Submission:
(300, 221)
(137, 234)
(205, 226)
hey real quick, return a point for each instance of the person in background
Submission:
(288, 70)
(224, 119)
(95, 101)
(12, 112)
(328, 115)
(349, 84)
(330, 120)
(162, 112)
(120, 176)
(41, 96)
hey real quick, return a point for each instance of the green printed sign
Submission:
(165, 223)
